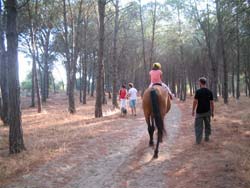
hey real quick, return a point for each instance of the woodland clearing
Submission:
(66, 150)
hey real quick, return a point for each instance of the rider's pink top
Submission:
(155, 76)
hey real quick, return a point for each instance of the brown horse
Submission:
(156, 103)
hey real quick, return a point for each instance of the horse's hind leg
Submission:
(159, 139)
(150, 131)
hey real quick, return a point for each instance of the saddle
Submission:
(157, 84)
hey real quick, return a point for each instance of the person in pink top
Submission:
(156, 77)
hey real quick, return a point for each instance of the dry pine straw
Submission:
(47, 135)
(225, 160)
(51, 133)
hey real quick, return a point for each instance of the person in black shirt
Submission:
(204, 106)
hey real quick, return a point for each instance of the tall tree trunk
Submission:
(36, 85)
(3, 72)
(35, 77)
(85, 61)
(104, 98)
(45, 93)
(100, 73)
(183, 67)
(34, 58)
(143, 50)
(71, 97)
(93, 76)
(173, 80)
(247, 73)
(72, 56)
(178, 87)
(33, 104)
(233, 87)
(151, 58)
(84, 97)
(81, 79)
(67, 63)
(246, 83)
(16, 143)
(115, 66)
(211, 55)
(238, 54)
(222, 45)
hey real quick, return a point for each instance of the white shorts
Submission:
(123, 103)
(164, 86)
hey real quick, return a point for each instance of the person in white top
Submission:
(132, 93)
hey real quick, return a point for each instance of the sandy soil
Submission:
(112, 152)
(224, 161)
(104, 156)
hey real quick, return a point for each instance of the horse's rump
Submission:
(163, 101)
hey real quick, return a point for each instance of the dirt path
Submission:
(112, 153)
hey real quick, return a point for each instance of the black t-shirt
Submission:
(204, 96)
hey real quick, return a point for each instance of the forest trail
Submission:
(76, 151)
(117, 155)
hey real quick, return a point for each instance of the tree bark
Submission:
(16, 143)
(45, 93)
(246, 83)
(183, 67)
(71, 107)
(93, 75)
(100, 73)
(81, 79)
(36, 86)
(173, 80)
(84, 96)
(143, 49)
(35, 82)
(85, 61)
(33, 103)
(233, 87)
(238, 54)
(247, 73)
(115, 66)
(151, 58)
(223, 51)
(3, 72)
(71, 56)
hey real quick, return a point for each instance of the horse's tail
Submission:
(156, 113)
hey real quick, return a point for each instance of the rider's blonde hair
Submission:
(156, 66)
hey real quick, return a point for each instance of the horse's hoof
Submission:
(151, 144)
(155, 156)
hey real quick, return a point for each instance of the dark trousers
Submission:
(199, 119)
